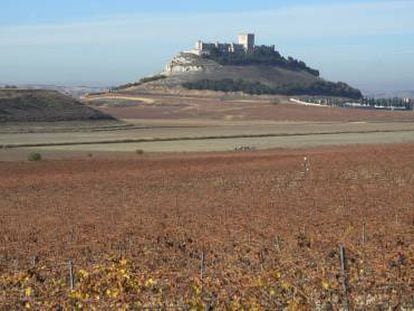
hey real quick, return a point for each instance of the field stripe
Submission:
(149, 140)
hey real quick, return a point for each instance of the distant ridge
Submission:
(27, 105)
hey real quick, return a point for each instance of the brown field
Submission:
(154, 136)
(201, 121)
(226, 230)
(209, 105)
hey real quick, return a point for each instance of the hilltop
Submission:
(242, 67)
(28, 105)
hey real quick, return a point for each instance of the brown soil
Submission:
(204, 105)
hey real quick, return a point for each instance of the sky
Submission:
(368, 44)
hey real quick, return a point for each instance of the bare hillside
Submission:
(22, 105)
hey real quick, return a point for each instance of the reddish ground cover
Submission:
(252, 108)
(241, 230)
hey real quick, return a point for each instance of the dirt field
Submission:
(248, 230)
(192, 136)
(202, 122)
(207, 105)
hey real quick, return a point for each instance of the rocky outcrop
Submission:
(188, 62)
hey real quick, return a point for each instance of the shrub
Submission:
(35, 156)
(319, 87)
(259, 56)
(140, 82)
(139, 152)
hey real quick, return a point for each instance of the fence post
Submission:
(71, 276)
(342, 256)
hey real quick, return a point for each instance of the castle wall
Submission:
(246, 44)
(270, 48)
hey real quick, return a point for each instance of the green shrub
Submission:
(35, 156)
(259, 56)
(319, 87)
(140, 82)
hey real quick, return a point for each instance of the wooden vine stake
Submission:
(306, 165)
(71, 276)
(364, 234)
(342, 257)
(202, 265)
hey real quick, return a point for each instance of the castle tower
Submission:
(247, 40)
(199, 45)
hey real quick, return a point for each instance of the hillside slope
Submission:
(190, 71)
(271, 76)
(22, 105)
(186, 67)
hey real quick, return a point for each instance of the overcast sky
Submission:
(369, 44)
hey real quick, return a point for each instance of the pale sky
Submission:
(369, 44)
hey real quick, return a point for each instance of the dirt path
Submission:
(119, 97)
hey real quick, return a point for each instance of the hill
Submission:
(24, 105)
(251, 74)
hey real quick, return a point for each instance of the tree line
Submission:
(259, 56)
(321, 87)
(140, 82)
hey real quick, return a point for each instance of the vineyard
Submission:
(254, 230)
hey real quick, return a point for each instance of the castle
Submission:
(246, 44)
